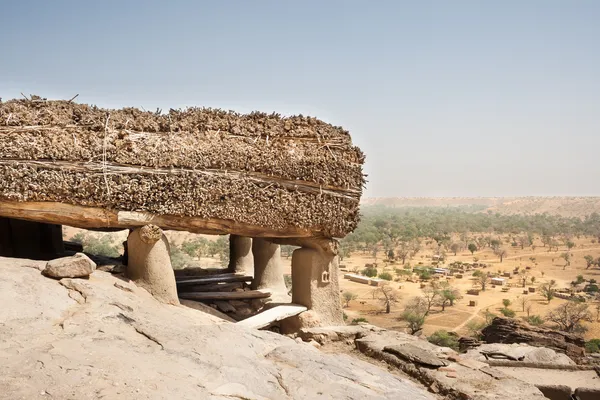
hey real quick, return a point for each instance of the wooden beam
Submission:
(271, 315)
(217, 279)
(206, 275)
(99, 218)
(251, 294)
(211, 288)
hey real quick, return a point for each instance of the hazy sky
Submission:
(446, 98)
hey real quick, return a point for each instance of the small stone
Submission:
(451, 375)
(298, 340)
(454, 358)
(77, 266)
(314, 343)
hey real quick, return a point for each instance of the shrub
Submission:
(345, 316)
(425, 275)
(98, 245)
(536, 320)
(506, 303)
(371, 272)
(507, 312)
(591, 288)
(592, 346)
(385, 275)
(180, 260)
(357, 321)
(348, 297)
(444, 338)
(474, 328)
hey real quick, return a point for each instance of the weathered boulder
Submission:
(77, 266)
(529, 354)
(415, 355)
(587, 393)
(507, 330)
(113, 340)
(461, 379)
(556, 392)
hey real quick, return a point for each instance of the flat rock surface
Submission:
(532, 354)
(471, 382)
(416, 355)
(107, 338)
(536, 376)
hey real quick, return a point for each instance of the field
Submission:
(549, 266)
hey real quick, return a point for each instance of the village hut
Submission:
(295, 180)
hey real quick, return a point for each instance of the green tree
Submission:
(348, 297)
(386, 276)
(472, 248)
(569, 316)
(371, 272)
(548, 290)
(415, 313)
(448, 295)
(589, 260)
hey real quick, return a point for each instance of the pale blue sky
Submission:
(446, 98)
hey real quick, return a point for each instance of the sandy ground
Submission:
(549, 266)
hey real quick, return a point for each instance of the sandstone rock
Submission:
(507, 330)
(336, 333)
(587, 393)
(77, 266)
(416, 355)
(556, 392)
(530, 354)
(127, 345)
(472, 384)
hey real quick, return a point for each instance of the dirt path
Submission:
(473, 315)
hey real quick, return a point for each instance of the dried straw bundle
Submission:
(256, 169)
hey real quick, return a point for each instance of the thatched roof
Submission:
(295, 174)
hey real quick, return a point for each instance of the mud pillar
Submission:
(315, 286)
(241, 259)
(149, 263)
(268, 269)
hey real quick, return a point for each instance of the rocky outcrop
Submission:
(440, 369)
(507, 330)
(77, 266)
(523, 352)
(105, 337)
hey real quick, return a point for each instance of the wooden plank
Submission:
(98, 218)
(271, 315)
(207, 275)
(210, 279)
(215, 287)
(251, 294)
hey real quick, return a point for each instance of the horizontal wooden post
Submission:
(98, 218)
